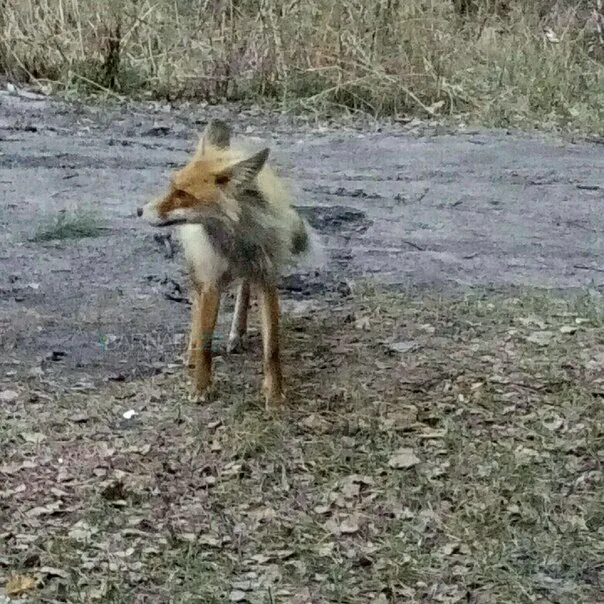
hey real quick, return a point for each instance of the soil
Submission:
(405, 204)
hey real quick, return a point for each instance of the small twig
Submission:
(588, 268)
(423, 194)
(99, 86)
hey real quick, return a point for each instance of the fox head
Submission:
(208, 185)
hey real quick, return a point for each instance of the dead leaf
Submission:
(550, 35)
(316, 423)
(104, 450)
(532, 320)
(13, 468)
(58, 493)
(435, 107)
(362, 323)
(209, 540)
(332, 526)
(402, 346)
(326, 549)
(208, 481)
(322, 509)
(8, 396)
(54, 572)
(350, 525)
(541, 338)
(432, 433)
(19, 584)
(450, 549)
(351, 489)
(44, 510)
(263, 514)
(303, 597)
(142, 449)
(33, 437)
(568, 329)
(79, 418)
(403, 459)
(554, 423)
(237, 596)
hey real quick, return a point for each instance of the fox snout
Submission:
(151, 213)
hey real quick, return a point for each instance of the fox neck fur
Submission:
(235, 216)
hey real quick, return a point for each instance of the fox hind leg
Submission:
(240, 314)
(273, 379)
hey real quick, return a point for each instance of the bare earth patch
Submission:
(432, 450)
(438, 445)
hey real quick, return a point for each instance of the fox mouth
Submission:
(170, 222)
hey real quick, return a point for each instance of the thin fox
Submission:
(236, 222)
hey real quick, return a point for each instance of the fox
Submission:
(237, 223)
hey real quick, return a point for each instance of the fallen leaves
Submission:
(540, 338)
(44, 510)
(8, 396)
(403, 459)
(402, 347)
(569, 329)
(492, 429)
(346, 525)
(14, 467)
(51, 571)
(82, 531)
(33, 437)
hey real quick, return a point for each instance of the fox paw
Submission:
(198, 398)
(201, 391)
(273, 397)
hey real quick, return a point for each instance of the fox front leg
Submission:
(207, 310)
(195, 333)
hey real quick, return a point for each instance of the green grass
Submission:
(69, 224)
(204, 503)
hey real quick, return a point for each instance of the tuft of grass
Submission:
(496, 62)
(69, 224)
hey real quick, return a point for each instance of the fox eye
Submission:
(221, 179)
(183, 199)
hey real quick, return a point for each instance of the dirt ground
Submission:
(443, 438)
(404, 205)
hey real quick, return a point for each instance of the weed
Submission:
(69, 224)
(497, 62)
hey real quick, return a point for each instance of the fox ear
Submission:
(217, 134)
(243, 172)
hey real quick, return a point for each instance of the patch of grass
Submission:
(495, 410)
(482, 61)
(69, 224)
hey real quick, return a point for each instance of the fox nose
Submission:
(139, 212)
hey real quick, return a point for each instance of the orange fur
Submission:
(237, 222)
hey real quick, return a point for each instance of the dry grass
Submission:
(491, 64)
(461, 465)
